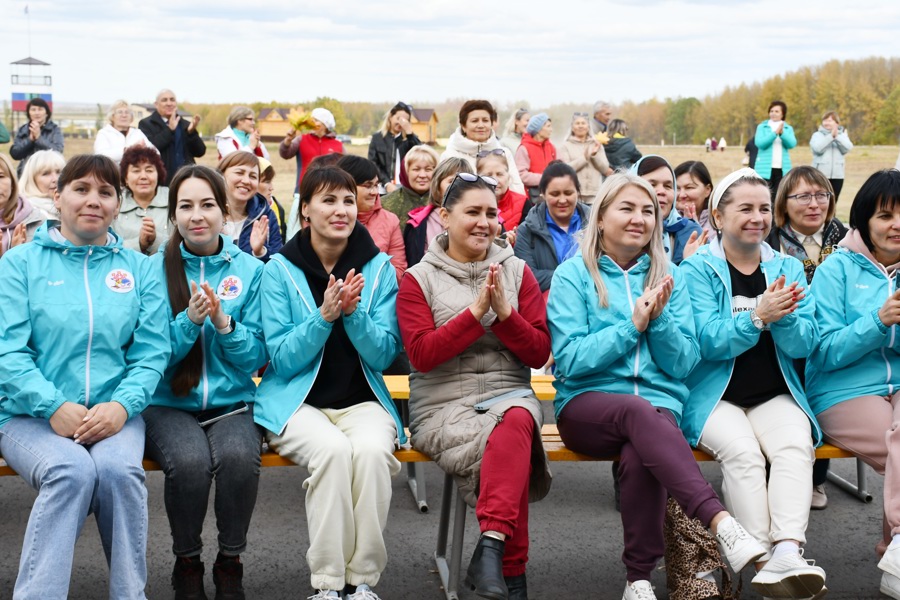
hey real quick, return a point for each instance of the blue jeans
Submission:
(190, 457)
(106, 478)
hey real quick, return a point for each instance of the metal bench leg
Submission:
(859, 490)
(440, 553)
(459, 532)
(415, 478)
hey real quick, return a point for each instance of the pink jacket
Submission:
(384, 227)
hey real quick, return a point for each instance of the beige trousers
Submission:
(350, 457)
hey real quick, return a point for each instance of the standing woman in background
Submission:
(18, 218)
(514, 128)
(79, 361)
(620, 151)
(389, 146)
(774, 138)
(241, 134)
(586, 155)
(829, 145)
(307, 146)
(39, 133)
(200, 421)
(534, 153)
(251, 223)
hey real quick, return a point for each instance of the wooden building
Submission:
(424, 123)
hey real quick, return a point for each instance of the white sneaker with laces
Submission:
(890, 585)
(639, 590)
(325, 595)
(737, 546)
(363, 592)
(890, 562)
(789, 576)
(819, 498)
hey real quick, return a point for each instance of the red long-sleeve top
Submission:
(524, 332)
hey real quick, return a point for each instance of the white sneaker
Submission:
(737, 546)
(789, 576)
(363, 592)
(324, 595)
(890, 562)
(639, 590)
(890, 586)
(819, 498)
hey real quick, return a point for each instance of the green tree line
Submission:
(865, 93)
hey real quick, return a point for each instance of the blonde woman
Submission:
(39, 180)
(389, 146)
(118, 134)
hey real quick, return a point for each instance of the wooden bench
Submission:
(449, 569)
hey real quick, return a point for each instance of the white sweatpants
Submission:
(349, 455)
(742, 440)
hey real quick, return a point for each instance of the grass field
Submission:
(861, 162)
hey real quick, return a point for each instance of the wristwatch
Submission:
(228, 328)
(757, 322)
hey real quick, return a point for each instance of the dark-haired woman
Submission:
(694, 187)
(330, 320)
(38, 133)
(389, 146)
(475, 135)
(79, 361)
(143, 222)
(18, 218)
(200, 421)
(473, 322)
(383, 225)
(251, 223)
(774, 138)
(853, 374)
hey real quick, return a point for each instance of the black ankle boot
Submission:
(187, 578)
(518, 588)
(485, 573)
(228, 575)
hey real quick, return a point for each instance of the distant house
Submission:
(273, 123)
(142, 111)
(424, 123)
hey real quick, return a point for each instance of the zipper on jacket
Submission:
(731, 369)
(637, 351)
(887, 363)
(90, 307)
(203, 344)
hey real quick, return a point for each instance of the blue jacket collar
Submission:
(43, 237)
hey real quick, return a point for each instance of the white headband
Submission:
(728, 181)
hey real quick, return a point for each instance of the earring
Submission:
(306, 219)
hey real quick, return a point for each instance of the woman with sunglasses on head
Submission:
(513, 207)
(200, 421)
(424, 223)
(747, 405)
(514, 128)
(389, 146)
(80, 359)
(623, 340)
(853, 374)
(330, 321)
(586, 155)
(241, 134)
(476, 134)
(473, 322)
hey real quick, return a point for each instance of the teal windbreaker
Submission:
(599, 349)
(857, 355)
(296, 334)
(82, 324)
(724, 337)
(229, 361)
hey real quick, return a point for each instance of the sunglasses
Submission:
(407, 107)
(495, 152)
(468, 178)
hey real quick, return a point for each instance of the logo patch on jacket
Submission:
(230, 288)
(120, 281)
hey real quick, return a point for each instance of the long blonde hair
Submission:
(592, 248)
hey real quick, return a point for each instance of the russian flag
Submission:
(20, 100)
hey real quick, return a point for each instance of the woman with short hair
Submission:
(118, 134)
(694, 185)
(143, 221)
(38, 133)
(774, 139)
(586, 155)
(620, 151)
(39, 179)
(241, 134)
(829, 144)
(420, 163)
(79, 361)
(389, 146)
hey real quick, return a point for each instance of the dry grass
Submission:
(861, 162)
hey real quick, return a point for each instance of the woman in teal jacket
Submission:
(853, 375)
(746, 404)
(83, 345)
(330, 319)
(623, 339)
(200, 422)
(774, 138)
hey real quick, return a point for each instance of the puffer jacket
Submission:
(828, 151)
(459, 146)
(622, 153)
(443, 420)
(83, 324)
(535, 245)
(23, 146)
(589, 168)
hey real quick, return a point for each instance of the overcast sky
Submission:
(370, 50)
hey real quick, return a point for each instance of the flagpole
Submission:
(28, 20)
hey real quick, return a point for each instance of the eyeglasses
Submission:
(468, 178)
(368, 185)
(805, 199)
(495, 152)
(122, 112)
(248, 119)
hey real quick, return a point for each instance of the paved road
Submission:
(575, 533)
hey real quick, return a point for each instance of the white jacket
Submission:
(460, 146)
(227, 143)
(112, 143)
